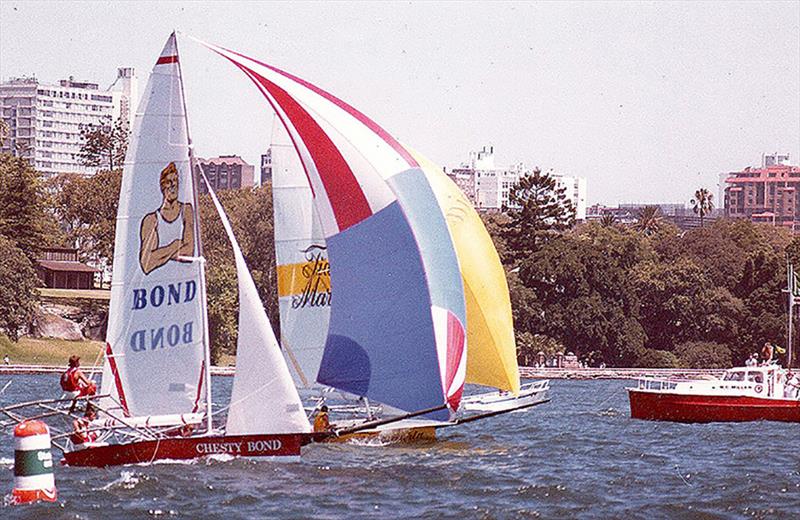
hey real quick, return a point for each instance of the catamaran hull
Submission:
(663, 406)
(529, 395)
(145, 452)
(389, 436)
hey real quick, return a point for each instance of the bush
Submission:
(703, 354)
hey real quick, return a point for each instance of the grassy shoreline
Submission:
(49, 351)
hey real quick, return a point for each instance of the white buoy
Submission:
(33, 464)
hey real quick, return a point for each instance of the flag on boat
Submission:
(155, 348)
(397, 324)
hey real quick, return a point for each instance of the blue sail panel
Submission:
(433, 238)
(381, 339)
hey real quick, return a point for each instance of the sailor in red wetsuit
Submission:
(75, 382)
(81, 427)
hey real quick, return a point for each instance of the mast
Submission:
(791, 288)
(200, 257)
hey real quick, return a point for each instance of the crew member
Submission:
(81, 427)
(75, 382)
(321, 421)
(791, 386)
(766, 353)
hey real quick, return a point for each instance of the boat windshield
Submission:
(733, 376)
(755, 377)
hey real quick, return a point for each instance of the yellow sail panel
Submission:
(491, 349)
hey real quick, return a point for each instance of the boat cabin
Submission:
(767, 381)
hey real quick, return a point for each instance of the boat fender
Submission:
(33, 464)
(758, 389)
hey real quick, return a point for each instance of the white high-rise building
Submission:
(44, 121)
(488, 187)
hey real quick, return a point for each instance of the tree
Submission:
(608, 220)
(703, 203)
(251, 216)
(648, 220)
(538, 210)
(86, 208)
(104, 145)
(23, 202)
(18, 282)
(578, 289)
(703, 354)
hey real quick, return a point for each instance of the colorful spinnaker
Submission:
(492, 359)
(397, 325)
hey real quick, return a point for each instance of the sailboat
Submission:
(312, 279)
(156, 398)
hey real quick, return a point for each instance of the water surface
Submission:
(579, 456)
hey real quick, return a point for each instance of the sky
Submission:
(647, 100)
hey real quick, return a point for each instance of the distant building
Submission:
(266, 167)
(45, 120)
(226, 172)
(59, 268)
(676, 213)
(488, 186)
(769, 194)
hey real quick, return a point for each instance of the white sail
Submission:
(154, 345)
(304, 282)
(264, 398)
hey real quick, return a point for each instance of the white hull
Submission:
(529, 394)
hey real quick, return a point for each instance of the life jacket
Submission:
(69, 380)
(321, 422)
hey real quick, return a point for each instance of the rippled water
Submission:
(579, 456)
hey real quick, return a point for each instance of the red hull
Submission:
(663, 406)
(180, 448)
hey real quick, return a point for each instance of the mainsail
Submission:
(396, 331)
(264, 398)
(155, 341)
(304, 281)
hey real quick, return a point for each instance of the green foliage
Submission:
(537, 211)
(578, 290)
(23, 202)
(648, 220)
(634, 298)
(657, 359)
(529, 345)
(250, 213)
(105, 145)
(608, 220)
(702, 203)
(703, 354)
(86, 208)
(678, 303)
(18, 282)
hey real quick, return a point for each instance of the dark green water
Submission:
(579, 456)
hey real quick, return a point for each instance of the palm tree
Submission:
(703, 203)
(607, 220)
(648, 220)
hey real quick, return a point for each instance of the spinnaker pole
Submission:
(201, 258)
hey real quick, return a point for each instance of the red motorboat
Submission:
(741, 394)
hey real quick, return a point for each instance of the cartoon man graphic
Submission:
(168, 232)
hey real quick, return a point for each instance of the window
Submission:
(755, 377)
